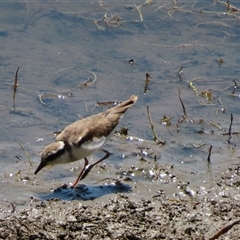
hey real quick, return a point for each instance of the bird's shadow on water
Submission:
(83, 192)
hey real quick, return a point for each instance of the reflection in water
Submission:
(83, 192)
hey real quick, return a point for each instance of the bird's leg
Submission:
(81, 173)
(89, 167)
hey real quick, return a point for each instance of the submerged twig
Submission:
(213, 23)
(63, 69)
(209, 154)
(99, 27)
(156, 139)
(182, 45)
(28, 156)
(215, 124)
(41, 95)
(89, 81)
(229, 6)
(146, 82)
(180, 71)
(139, 12)
(15, 87)
(32, 16)
(40, 99)
(220, 101)
(112, 102)
(235, 87)
(230, 129)
(183, 107)
(230, 133)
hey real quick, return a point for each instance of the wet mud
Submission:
(212, 213)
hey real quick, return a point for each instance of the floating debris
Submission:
(131, 62)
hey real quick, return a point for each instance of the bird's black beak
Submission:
(41, 165)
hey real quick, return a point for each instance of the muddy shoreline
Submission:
(119, 216)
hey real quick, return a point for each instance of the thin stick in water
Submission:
(180, 71)
(209, 154)
(29, 159)
(156, 139)
(183, 107)
(230, 130)
(15, 87)
(146, 82)
(235, 86)
(139, 12)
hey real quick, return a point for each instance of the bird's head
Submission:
(51, 155)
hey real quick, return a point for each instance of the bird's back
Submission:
(98, 125)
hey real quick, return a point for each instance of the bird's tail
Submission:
(123, 106)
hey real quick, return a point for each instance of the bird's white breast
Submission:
(88, 148)
(75, 152)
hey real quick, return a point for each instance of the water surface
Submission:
(59, 46)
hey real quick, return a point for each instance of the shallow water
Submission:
(58, 46)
